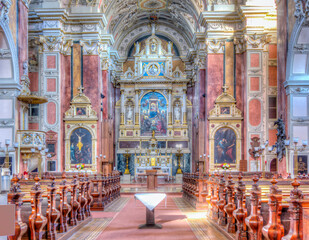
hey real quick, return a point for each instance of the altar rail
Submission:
(251, 209)
(52, 207)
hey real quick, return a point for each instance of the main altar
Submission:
(153, 111)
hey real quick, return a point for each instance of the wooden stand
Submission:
(150, 221)
(152, 179)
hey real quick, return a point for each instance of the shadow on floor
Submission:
(170, 218)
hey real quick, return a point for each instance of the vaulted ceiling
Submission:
(175, 17)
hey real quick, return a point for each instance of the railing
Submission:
(31, 139)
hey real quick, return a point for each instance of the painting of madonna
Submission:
(225, 146)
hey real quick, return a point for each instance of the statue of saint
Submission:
(137, 45)
(169, 47)
(177, 112)
(130, 113)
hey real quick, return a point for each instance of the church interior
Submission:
(154, 119)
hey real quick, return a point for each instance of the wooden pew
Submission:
(257, 206)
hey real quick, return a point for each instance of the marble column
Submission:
(184, 107)
(170, 105)
(136, 108)
(122, 108)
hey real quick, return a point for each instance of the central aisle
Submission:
(125, 223)
(121, 219)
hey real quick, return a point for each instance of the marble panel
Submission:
(51, 61)
(272, 76)
(254, 83)
(6, 110)
(51, 113)
(34, 81)
(6, 70)
(51, 85)
(300, 132)
(300, 106)
(6, 133)
(299, 63)
(255, 60)
(255, 112)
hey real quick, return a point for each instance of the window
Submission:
(51, 166)
(51, 148)
(272, 107)
(34, 110)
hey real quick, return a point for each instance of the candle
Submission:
(295, 140)
(16, 144)
(305, 142)
(32, 150)
(256, 149)
(7, 141)
(39, 148)
(46, 150)
(286, 142)
(270, 149)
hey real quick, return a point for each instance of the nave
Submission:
(121, 220)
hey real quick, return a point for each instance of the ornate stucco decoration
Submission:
(225, 116)
(81, 101)
(257, 40)
(215, 46)
(4, 9)
(25, 94)
(80, 117)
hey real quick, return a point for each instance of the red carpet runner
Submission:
(125, 223)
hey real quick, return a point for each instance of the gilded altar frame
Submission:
(87, 120)
(225, 114)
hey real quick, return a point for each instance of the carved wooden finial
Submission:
(63, 175)
(15, 185)
(52, 177)
(296, 193)
(37, 185)
(240, 177)
(274, 181)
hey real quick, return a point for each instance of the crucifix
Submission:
(225, 88)
(81, 89)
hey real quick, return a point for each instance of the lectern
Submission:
(152, 179)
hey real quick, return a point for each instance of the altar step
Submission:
(171, 189)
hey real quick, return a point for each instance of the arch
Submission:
(13, 52)
(124, 42)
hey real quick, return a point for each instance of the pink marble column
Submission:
(214, 84)
(65, 99)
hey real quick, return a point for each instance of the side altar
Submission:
(153, 111)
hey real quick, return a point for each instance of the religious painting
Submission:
(81, 146)
(151, 69)
(80, 111)
(302, 164)
(153, 114)
(225, 110)
(225, 146)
